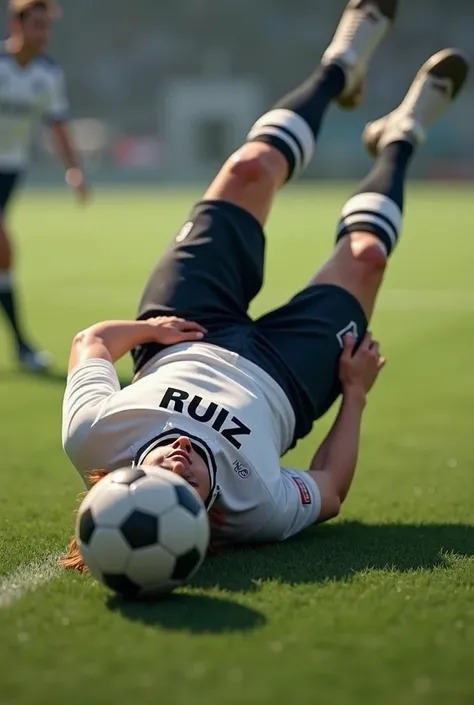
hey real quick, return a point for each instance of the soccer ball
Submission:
(142, 532)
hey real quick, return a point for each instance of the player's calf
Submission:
(279, 146)
(377, 206)
(371, 220)
(369, 227)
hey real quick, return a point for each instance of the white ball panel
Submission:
(109, 551)
(95, 492)
(150, 566)
(154, 494)
(112, 506)
(178, 531)
(91, 562)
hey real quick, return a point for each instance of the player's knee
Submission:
(369, 252)
(254, 164)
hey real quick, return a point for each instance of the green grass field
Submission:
(376, 608)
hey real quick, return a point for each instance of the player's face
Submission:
(36, 27)
(181, 458)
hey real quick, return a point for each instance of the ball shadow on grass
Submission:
(196, 614)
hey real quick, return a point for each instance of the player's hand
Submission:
(76, 180)
(359, 369)
(169, 330)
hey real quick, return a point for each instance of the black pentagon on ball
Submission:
(185, 564)
(187, 499)
(122, 585)
(86, 527)
(127, 476)
(140, 529)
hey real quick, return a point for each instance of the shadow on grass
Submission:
(197, 614)
(337, 553)
(328, 553)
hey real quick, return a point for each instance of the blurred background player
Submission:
(32, 90)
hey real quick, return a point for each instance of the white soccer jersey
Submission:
(28, 95)
(233, 406)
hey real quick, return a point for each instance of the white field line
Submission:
(27, 579)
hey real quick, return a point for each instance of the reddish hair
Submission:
(74, 560)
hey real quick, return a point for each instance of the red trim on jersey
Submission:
(305, 494)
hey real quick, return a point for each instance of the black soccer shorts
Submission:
(210, 274)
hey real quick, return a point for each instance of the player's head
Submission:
(186, 457)
(31, 22)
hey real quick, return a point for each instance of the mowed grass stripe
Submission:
(27, 579)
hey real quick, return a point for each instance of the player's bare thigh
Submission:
(357, 265)
(250, 179)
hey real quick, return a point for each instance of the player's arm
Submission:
(334, 463)
(92, 381)
(111, 340)
(64, 146)
(57, 118)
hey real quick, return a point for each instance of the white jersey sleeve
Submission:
(58, 104)
(89, 386)
(297, 505)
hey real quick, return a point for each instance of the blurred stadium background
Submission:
(164, 92)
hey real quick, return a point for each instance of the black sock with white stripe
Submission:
(377, 206)
(293, 125)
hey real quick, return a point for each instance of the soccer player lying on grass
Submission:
(218, 398)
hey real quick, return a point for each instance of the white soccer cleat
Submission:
(436, 86)
(34, 361)
(363, 26)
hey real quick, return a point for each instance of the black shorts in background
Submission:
(8, 182)
(210, 274)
